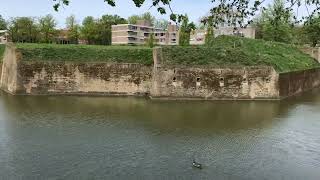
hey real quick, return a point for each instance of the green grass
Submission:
(235, 51)
(2, 48)
(85, 53)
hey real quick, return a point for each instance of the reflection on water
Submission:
(133, 138)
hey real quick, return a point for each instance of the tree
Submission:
(105, 27)
(150, 41)
(47, 29)
(88, 30)
(274, 24)
(3, 23)
(73, 29)
(161, 24)
(312, 31)
(146, 16)
(185, 29)
(23, 29)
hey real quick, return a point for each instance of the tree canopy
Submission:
(3, 23)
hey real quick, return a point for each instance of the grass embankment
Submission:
(235, 51)
(85, 53)
(2, 48)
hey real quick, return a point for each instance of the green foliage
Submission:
(146, 16)
(24, 29)
(274, 24)
(209, 36)
(185, 29)
(98, 31)
(161, 24)
(85, 53)
(235, 51)
(89, 29)
(312, 31)
(150, 41)
(47, 29)
(3, 23)
(73, 29)
(2, 48)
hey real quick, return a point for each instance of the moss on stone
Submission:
(2, 48)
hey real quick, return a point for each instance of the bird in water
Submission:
(196, 164)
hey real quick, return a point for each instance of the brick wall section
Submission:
(293, 83)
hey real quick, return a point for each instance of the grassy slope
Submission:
(85, 53)
(227, 50)
(2, 48)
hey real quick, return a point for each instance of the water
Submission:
(134, 138)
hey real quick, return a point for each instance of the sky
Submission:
(96, 8)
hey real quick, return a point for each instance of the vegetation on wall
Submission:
(235, 51)
(85, 53)
(2, 48)
(185, 30)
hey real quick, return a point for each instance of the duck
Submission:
(196, 164)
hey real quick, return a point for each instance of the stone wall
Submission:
(215, 83)
(205, 82)
(9, 70)
(293, 83)
(313, 52)
(160, 81)
(25, 77)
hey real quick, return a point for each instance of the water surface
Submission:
(47, 137)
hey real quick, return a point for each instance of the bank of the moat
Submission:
(232, 69)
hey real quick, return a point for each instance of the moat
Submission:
(61, 137)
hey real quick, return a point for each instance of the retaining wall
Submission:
(313, 52)
(25, 77)
(293, 83)
(160, 81)
(205, 82)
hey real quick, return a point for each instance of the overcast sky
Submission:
(81, 8)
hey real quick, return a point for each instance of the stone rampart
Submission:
(160, 81)
(39, 77)
(293, 83)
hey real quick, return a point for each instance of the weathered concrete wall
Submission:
(313, 52)
(24, 77)
(160, 81)
(84, 78)
(205, 82)
(293, 83)
(9, 70)
(215, 83)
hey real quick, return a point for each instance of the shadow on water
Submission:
(164, 115)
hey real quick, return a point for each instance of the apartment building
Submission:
(140, 32)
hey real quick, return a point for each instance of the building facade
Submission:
(139, 33)
(249, 32)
